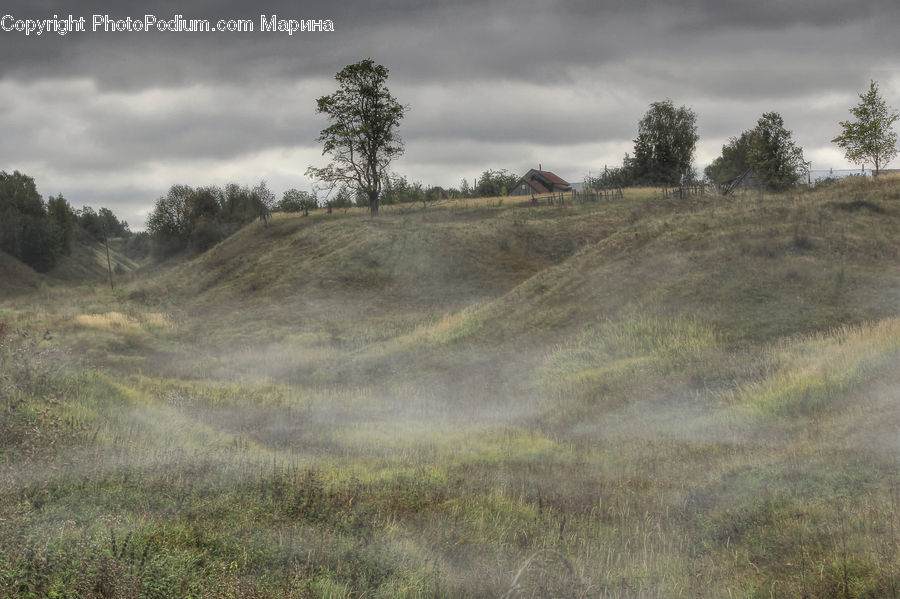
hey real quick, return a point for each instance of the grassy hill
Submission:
(630, 398)
(17, 278)
(754, 268)
(751, 270)
(85, 263)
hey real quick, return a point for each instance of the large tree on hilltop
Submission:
(361, 138)
(870, 137)
(768, 149)
(777, 160)
(664, 148)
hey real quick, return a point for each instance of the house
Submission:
(538, 182)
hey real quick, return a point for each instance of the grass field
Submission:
(628, 398)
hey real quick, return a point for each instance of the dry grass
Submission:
(117, 321)
(639, 398)
(808, 373)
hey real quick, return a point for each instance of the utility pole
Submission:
(108, 261)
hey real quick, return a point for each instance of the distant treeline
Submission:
(630, 174)
(39, 232)
(400, 190)
(196, 218)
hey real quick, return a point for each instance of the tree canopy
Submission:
(30, 230)
(768, 149)
(361, 139)
(101, 224)
(733, 162)
(38, 233)
(493, 183)
(198, 218)
(664, 148)
(294, 200)
(777, 160)
(869, 137)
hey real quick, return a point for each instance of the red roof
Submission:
(542, 182)
(537, 186)
(552, 177)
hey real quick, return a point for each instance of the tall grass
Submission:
(624, 400)
(808, 373)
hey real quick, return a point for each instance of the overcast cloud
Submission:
(115, 119)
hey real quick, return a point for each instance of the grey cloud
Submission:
(777, 14)
(490, 83)
(98, 131)
(482, 41)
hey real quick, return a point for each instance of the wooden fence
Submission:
(686, 191)
(591, 195)
(552, 199)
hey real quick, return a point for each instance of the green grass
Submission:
(638, 398)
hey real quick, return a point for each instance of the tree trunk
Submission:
(373, 203)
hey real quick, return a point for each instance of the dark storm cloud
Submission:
(481, 40)
(778, 14)
(525, 40)
(490, 84)
(130, 59)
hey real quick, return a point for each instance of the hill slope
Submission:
(85, 263)
(403, 267)
(16, 277)
(524, 278)
(693, 398)
(753, 270)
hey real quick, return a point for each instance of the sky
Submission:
(115, 118)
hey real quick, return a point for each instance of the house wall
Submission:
(522, 189)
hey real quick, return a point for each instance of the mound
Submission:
(16, 277)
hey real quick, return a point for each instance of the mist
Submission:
(629, 398)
